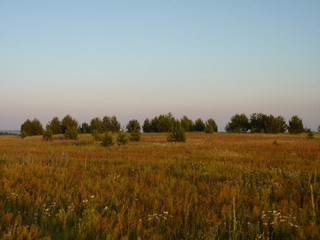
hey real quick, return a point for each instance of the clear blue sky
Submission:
(138, 59)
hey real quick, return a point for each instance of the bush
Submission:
(71, 133)
(47, 135)
(310, 134)
(107, 140)
(135, 135)
(23, 134)
(122, 138)
(295, 125)
(177, 133)
(210, 126)
(97, 136)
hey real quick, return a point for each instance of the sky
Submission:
(138, 59)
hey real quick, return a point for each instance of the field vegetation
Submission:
(213, 186)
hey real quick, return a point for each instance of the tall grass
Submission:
(220, 186)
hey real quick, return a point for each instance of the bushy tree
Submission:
(23, 134)
(122, 138)
(111, 124)
(146, 127)
(310, 134)
(259, 122)
(210, 126)
(97, 136)
(68, 122)
(177, 133)
(96, 124)
(107, 140)
(239, 123)
(133, 125)
(32, 127)
(71, 133)
(187, 124)
(199, 125)
(54, 125)
(295, 125)
(26, 128)
(278, 125)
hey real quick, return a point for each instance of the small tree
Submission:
(146, 127)
(187, 124)
(23, 134)
(107, 140)
(71, 133)
(310, 134)
(47, 135)
(68, 122)
(97, 136)
(319, 128)
(239, 123)
(122, 138)
(54, 125)
(295, 125)
(210, 126)
(97, 125)
(177, 133)
(133, 125)
(199, 125)
(135, 134)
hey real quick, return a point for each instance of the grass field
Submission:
(214, 186)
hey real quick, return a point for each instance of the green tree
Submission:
(133, 125)
(310, 134)
(278, 125)
(210, 126)
(111, 124)
(68, 122)
(36, 127)
(199, 125)
(54, 125)
(146, 127)
(107, 140)
(239, 123)
(187, 124)
(295, 125)
(26, 128)
(97, 125)
(47, 135)
(71, 133)
(23, 134)
(177, 133)
(319, 128)
(122, 138)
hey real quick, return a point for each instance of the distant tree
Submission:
(163, 123)
(71, 133)
(122, 138)
(107, 140)
(85, 128)
(96, 135)
(146, 127)
(47, 135)
(277, 125)
(68, 122)
(96, 124)
(133, 125)
(186, 123)
(26, 128)
(210, 126)
(319, 128)
(259, 122)
(36, 127)
(54, 125)
(199, 125)
(295, 125)
(177, 133)
(238, 123)
(111, 124)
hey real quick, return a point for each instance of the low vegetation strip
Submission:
(213, 186)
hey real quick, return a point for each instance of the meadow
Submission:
(213, 186)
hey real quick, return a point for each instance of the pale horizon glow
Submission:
(139, 59)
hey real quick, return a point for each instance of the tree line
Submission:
(262, 123)
(256, 123)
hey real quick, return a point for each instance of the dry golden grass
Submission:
(214, 186)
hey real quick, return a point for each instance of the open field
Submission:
(214, 186)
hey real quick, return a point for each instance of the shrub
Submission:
(107, 140)
(71, 133)
(135, 135)
(122, 138)
(47, 135)
(97, 136)
(177, 133)
(310, 134)
(54, 125)
(23, 134)
(210, 126)
(295, 125)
